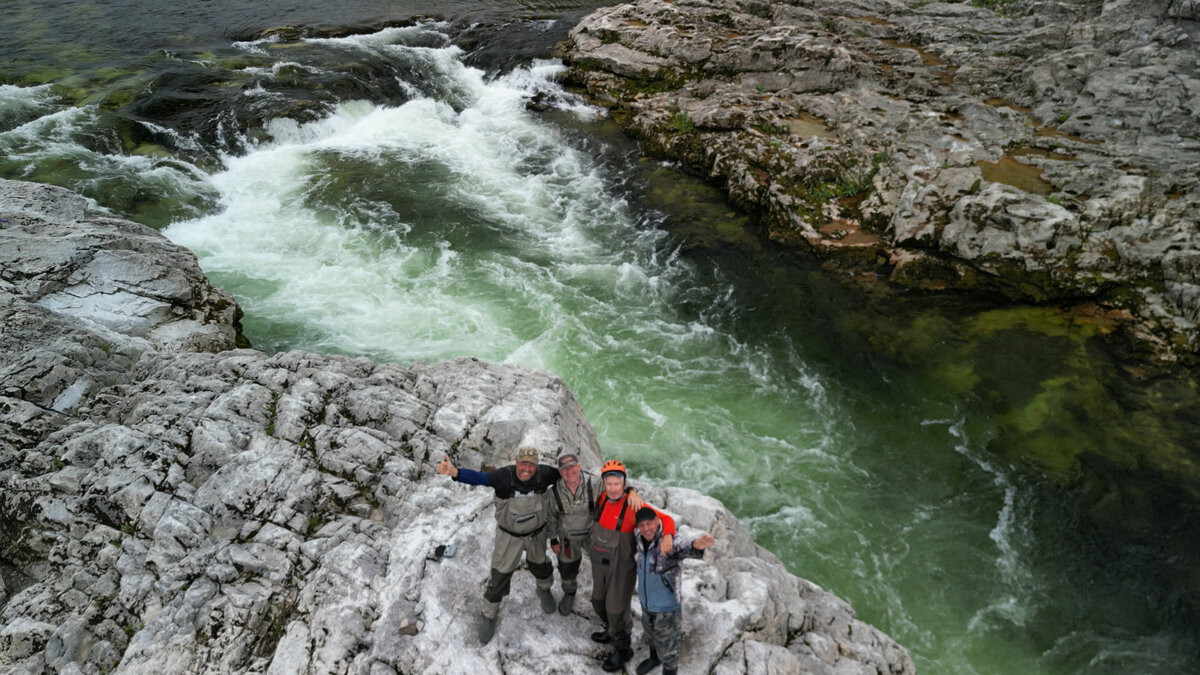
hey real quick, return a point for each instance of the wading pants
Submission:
(506, 558)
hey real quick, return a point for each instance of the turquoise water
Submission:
(414, 208)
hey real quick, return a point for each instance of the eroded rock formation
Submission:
(171, 504)
(1044, 151)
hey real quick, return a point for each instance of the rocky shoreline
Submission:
(1031, 151)
(172, 503)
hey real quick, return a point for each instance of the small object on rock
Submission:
(441, 551)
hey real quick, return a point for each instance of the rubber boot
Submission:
(487, 628)
(547, 599)
(649, 664)
(567, 604)
(616, 660)
(602, 635)
(668, 671)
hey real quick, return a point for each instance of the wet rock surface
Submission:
(171, 504)
(1035, 151)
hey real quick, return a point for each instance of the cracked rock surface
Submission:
(1041, 151)
(171, 504)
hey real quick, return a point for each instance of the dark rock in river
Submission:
(1044, 151)
(169, 504)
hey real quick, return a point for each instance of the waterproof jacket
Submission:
(659, 576)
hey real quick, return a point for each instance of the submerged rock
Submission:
(170, 504)
(1038, 151)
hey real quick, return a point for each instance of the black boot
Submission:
(616, 660)
(602, 636)
(668, 671)
(649, 664)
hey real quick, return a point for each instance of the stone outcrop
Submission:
(172, 504)
(1033, 150)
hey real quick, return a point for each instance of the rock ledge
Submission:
(171, 504)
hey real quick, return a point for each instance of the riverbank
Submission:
(1030, 165)
(173, 503)
(1035, 152)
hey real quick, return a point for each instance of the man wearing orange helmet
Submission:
(614, 572)
(573, 506)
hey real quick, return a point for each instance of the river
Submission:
(388, 191)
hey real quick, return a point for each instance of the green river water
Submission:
(983, 484)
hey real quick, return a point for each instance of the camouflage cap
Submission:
(526, 453)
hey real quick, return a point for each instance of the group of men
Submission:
(629, 543)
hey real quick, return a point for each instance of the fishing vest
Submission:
(575, 511)
(611, 547)
(524, 513)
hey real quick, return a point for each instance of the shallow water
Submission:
(390, 194)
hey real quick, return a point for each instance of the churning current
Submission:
(435, 213)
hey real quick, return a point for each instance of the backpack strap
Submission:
(557, 498)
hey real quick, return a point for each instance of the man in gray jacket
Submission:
(659, 589)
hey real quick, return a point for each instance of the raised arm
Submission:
(446, 468)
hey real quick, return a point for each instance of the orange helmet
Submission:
(613, 465)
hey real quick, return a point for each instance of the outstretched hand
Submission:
(446, 468)
(703, 542)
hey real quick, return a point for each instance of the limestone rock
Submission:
(1046, 151)
(176, 506)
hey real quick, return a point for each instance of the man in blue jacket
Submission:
(659, 589)
(521, 515)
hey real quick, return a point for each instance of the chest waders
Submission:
(520, 529)
(575, 520)
(574, 536)
(614, 576)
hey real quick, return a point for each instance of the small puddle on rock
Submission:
(927, 59)
(997, 102)
(1024, 151)
(1011, 172)
(808, 126)
(1051, 131)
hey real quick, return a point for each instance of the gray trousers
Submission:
(612, 595)
(570, 557)
(506, 558)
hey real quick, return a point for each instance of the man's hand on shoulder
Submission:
(635, 500)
